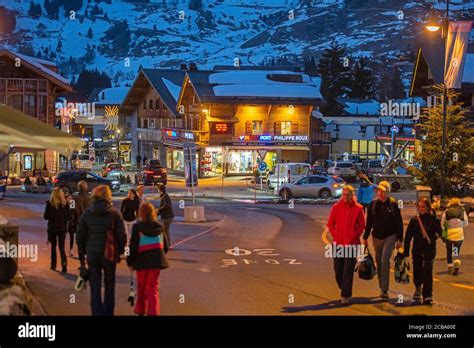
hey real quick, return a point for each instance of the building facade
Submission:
(241, 118)
(31, 86)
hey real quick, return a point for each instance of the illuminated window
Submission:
(257, 127)
(286, 128)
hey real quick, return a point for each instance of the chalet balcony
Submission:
(20, 85)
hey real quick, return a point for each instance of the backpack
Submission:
(401, 269)
(366, 268)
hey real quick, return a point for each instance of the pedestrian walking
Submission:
(453, 222)
(346, 224)
(424, 229)
(165, 211)
(141, 194)
(384, 222)
(83, 199)
(72, 222)
(365, 193)
(97, 225)
(129, 210)
(138, 159)
(147, 258)
(57, 214)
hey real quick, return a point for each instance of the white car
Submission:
(344, 169)
(287, 173)
(312, 186)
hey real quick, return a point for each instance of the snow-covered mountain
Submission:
(165, 33)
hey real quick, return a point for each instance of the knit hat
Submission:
(384, 186)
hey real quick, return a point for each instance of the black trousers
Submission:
(423, 259)
(344, 269)
(453, 246)
(58, 240)
(97, 269)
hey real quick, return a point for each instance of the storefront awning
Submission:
(222, 119)
(21, 130)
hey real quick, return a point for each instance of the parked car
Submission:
(317, 169)
(81, 161)
(344, 169)
(287, 172)
(371, 167)
(312, 186)
(112, 168)
(68, 181)
(153, 172)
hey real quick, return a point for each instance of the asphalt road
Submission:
(247, 259)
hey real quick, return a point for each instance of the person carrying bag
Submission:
(101, 240)
(424, 229)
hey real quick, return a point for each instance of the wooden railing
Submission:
(29, 85)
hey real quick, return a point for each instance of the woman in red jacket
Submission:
(346, 224)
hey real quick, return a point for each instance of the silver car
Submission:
(313, 186)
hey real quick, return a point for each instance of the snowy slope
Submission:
(165, 35)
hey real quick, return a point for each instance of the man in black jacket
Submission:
(91, 240)
(165, 211)
(384, 221)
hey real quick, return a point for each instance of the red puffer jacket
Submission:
(346, 223)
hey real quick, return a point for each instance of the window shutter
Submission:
(294, 128)
(248, 127)
(277, 128)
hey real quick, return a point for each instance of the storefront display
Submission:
(211, 161)
(241, 161)
(175, 159)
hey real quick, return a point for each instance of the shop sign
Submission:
(274, 138)
(171, 134)
(189, 136)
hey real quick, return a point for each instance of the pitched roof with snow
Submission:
(40, 66)
(256, 86)
(111, 96)
(166, 82)
(354, 106)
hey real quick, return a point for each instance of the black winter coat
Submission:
(433, 229)
(92, 229)
(165, 210)
(144, 252)
(384, 219)
(57, 219)
(129, 209)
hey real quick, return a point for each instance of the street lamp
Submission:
(117, 137)
(432, 26)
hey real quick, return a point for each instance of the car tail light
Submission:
(55, 180)
(149, 171)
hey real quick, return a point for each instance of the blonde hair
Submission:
(102, 192)
(349, 188)
(454, 201)
(57, 198)
(147, 212)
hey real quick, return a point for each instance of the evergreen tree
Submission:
(334, 76)
(195, 5)
(397, 88)
(120, 35)
(362, 82)
(89, 33)
(459, 146)
(90, 79)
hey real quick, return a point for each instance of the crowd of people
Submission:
(104, 235)
(353, 220)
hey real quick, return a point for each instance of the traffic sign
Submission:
(262, 153)
(394, 129)
(262, 166)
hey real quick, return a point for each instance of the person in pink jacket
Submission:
(346, 225)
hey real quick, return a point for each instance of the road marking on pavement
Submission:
(469, 287)
(199, 234)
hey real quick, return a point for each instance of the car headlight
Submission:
(115, 182)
